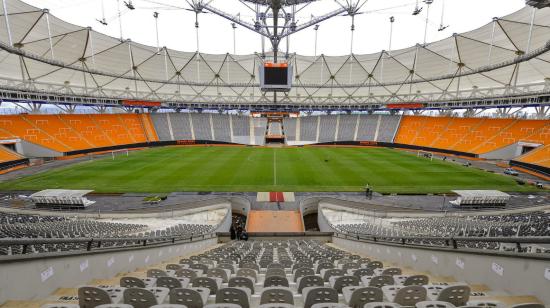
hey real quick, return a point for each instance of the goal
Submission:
(117, 153)
(426, 154)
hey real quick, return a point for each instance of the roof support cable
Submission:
(316, 28)
(442, 25)
(392, 20)
(119, 19)
(102, 21)
(7, 20)
(156, 16)
(429, 3)
(352, 31)
(234, 27)
(47, 13)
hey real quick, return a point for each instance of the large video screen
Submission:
(276, 76)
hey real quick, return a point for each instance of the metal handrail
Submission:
(97, 243)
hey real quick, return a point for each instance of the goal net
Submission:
(426, 154)
(118, 153)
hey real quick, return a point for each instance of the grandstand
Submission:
(277, 178)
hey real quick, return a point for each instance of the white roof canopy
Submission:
(491, 60)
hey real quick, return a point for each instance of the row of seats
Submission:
(536, 223)
(331, 128)
(70, 132)
(472, 135)
(7, 155)
(272, 274)
(539, 156)
(21, 226)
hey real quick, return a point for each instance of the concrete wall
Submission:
(516, 275)
(29, 149)
(508, 152)
(37, 278)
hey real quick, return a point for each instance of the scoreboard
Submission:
(275, 77)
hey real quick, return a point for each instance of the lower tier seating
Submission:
(272, 274)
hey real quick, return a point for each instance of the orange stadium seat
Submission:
(476, 135)
(539, 156)
(70, 132)
(7, 155)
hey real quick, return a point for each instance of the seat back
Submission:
(275, 265)
(310, 281)
(382, 305)
(275, 272)
(187, 297)
(392, 271)
(303, 271)
(227, 266)
(139, 298)
(168, 282)
(156, 273)
(320, 295)
(275, 281)
(247, 272)
(90, 297)
(244, 282)
(206, 282)
(199, 266)
(365, 295)
(456, 295)
(217, 273)
(345, 281)
(277, 296)
(416, 280)
(232, 296)
(380, 281)
(187, 273)
(375, 264)
(333, 272)
(131, 282)
(323, 265)
(174, 267)
(409, 296)
(363, 272)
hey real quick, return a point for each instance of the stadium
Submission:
(307, 167)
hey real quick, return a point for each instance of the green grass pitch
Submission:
(313, 169)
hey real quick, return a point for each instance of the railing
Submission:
(98, 244)
(448, 242)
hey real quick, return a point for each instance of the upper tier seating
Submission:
(471, 135)
(71, 132)
(281, 274)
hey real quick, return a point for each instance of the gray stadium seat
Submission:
(276, 296)
(310, 281)
(139, 298)
(276, 281)
(131, 282)
(232, 296)
(187, 297)
(434, 304)
(90, 297)
(243, 282)
(357, 297)
(410, 295)
(456, 295)
(416, 280)
(382, 305)
(315, 295)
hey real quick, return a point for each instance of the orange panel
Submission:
(275, 221)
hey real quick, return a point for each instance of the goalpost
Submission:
(426, 154)
(123, 152)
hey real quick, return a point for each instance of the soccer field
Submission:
(173, 169)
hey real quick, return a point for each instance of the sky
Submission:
(177, 25)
